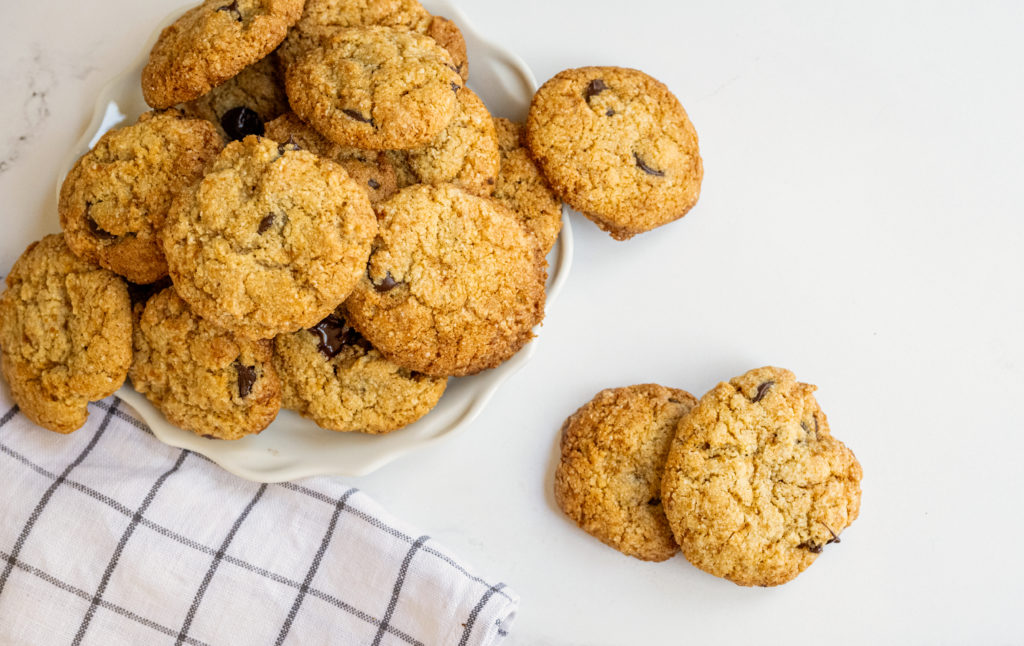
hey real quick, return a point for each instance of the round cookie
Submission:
(116, 197)
(521, 187)
(465, 153)
(755, 485)
(65, 334)
(613, 452)
(321, 18)
(245, 103)
(617, 146)
(271, 240)
(370, 169)
(375, 88)
(454, 285)
(333, 376)
(202, 378)
(211, 43)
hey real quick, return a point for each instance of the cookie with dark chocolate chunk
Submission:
(202, 378)
(755, 485)
(616, 145)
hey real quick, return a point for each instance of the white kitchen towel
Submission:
(108, 536)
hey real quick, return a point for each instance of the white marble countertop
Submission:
(860, 223)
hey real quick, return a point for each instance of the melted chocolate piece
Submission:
(209, 437)
(233, 8)
(374, 184)
(456, 87)
(387, 284)
(654, 501)
(596, 86)
(95, 228)
(762, 390)
(358, 116)
(642, 165)
(241, 122)
(609, 113)
(813, 548)
(265, 224)
(246, 379)
(282, 148)
(334, 333)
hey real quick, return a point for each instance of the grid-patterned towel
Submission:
(108, 537)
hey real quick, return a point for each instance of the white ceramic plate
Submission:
(293, 447)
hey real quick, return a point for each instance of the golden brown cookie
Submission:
(617, 146)
(375, 88)
(210, 44)
(243, 104)
(65, 334)
(521, 187)
(612, 458)
(333, 376)
(454, 285)
(271, 241)
(370, 169)
(117, 195)
(755, 485)
(202, 378)
(465, 153)
(321, 18)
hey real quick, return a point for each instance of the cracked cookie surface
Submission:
(333, 376)
(755, 485)
(211, 43)
(454, 285)
(270, 241)
(321, 18)
(613, 451)
(243, 104)
(65, 334)
(116, 197)
(616, 145)
(375, 88)
(521, 187)
(202, 378)
(371, 169)
(465, 153)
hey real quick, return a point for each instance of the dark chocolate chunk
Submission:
(387, 284)
(334, 333)
(246, 378)
(610, 113)
(834, 539)
(456, 87)
(762, 390)
(813, 548)
(265, 224)
(596, 86)
(233, 8)
(95, 228)
(358, 116)
(241, 122)
(374, 184)
(288, 145)
(654, 501)
(647, 169)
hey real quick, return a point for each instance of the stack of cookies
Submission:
(748, 481)
(319, 214)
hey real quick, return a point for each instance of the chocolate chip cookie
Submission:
(333, 376)
(243, 104)
(321, 18)
(612, 458)
(617, 146)
(464, 154)
(375, 88)
(755, 485)
(116, 197)
(202, 378)
(521, 187)
(270, 241)
(210, 44)
(65, 334)
(370, 169)
(454, 285)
